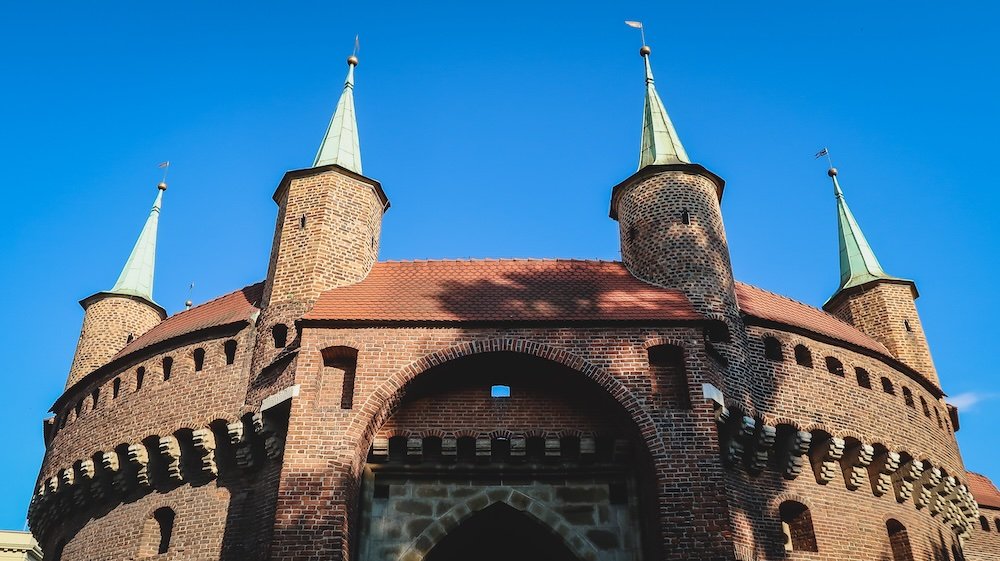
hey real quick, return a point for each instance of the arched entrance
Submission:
(500, 533)
(478, 431)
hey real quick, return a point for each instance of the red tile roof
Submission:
(496, 290)
(769, 306)
(232, 308)
(983, 490)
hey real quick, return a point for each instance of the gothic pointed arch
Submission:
(507, 505)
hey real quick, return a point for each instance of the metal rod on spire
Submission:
(642, 30)
(166, 167)
(825, 152)
(357, 45)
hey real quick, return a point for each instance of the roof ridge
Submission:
(216, 299)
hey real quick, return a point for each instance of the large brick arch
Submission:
(384, 400)
(581, 547)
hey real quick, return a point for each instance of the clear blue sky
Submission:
(497, 130)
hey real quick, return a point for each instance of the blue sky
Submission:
(497, 130)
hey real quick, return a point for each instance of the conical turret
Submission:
(114, 318)
(858, 264)
(136, 278)
(660, 143)
(340, 144)
(880, 305)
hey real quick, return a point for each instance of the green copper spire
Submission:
(660, 143)
(340, 145)
(858, 264)
(137, 276)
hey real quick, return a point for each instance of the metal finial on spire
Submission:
(340, 144)
(660, 143)
(858, 264)
(136, 278)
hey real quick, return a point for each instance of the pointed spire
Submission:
(660, 143)
(340, 145)
(137, 275)
(858, 264)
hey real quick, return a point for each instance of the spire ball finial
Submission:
(352, 60)
(162, 186)
(645, 50)
(832, 172)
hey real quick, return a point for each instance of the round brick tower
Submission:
(670, 218)
(327, 231)
(114, 318)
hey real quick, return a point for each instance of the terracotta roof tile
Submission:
(769, 306)
(983, 490)
(494, 290)
(224, 310)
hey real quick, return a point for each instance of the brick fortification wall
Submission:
(625, 440)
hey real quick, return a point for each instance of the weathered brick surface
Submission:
(984, 543)
(887, 311)
(110, 321)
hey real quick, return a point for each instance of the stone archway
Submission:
(556, 539)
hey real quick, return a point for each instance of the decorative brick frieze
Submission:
(825, 458)
(905, 478)
(855, 462)
(883, 467)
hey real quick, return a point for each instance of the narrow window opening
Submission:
(140, 377)
(685, 216)
(996, 521)
(631, 234)
(906, 324)
(302, 222)
(168, 365)
(899, 542)
(834, 366)
(116, 388)
(923, 405)
(96, 397)
(908, 398)
(230, 348)
(500, 390)
(864, 379)
(937, 413)
(802, 356)
(199, 359)
(797, 525)
(772, 350)
(345, 360)
(78, 409)
(280, 334)
(669, 375)
(984, 523)
(157, 533)
(887, 386)
(130, 338)
(465, 449)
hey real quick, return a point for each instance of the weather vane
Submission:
(165, 166)
(825, 152)
(638, 25)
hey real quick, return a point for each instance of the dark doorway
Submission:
(500, 533)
